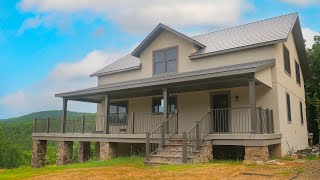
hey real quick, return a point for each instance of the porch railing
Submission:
(158, 137)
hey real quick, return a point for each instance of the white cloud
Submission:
(64, 77)
(141, 15)
(302, 2)
(308, 35)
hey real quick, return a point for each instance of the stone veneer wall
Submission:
(39, 149)
(107, 150)
(64, 154)
(256, 153)
(83, 151)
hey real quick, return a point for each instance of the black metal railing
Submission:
(195, 136)
(161, 134)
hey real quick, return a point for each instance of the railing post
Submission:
(268, 121)
(210, 121)
(147, 146)
(177, 119)
(106, 107)
(197, 134)
(162, 134)
(271, 121)
(48, 124)
(253, 107)
(184, 147)
(132, 122)
(35, 125)
(83, 123)
(259, 122)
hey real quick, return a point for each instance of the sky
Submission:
(52, 46)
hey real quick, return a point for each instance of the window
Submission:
(118, 113)
(165, 61)
(157, 105)
(298, 73)
(301, 112)
(286, 57)
(288, 107)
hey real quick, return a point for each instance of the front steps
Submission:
(171, 153)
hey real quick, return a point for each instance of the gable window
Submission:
(288, 108)
(118, 113)
(165, 61)
(301, 112)
(298, 73)
(157, 104)
(286, 57)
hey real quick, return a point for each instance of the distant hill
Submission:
(42, 114)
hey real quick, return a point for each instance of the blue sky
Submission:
(51, 46)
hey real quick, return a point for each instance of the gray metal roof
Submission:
(255, 34)
(125, 63)
(259, 32)
(237, 69)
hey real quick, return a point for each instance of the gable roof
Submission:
(251, 35)
(155, 33)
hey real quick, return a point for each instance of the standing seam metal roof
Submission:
(264, 32)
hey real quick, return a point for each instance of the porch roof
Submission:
(221, 77)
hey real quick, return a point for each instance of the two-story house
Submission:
(191, 99)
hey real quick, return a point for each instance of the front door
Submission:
(220, 112)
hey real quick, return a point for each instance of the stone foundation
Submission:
(206, 153)
(84, 151)
(107, 150)
(256, 153)
(64, 154)
(39, 149)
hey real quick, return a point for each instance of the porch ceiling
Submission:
(214, 78)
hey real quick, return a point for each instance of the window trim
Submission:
(165, 64)
(288, 107)
(160, 97)
(295, 65)
(284, 61)
(301, 113)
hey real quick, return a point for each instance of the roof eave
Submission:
(196, 56)
(116, 71)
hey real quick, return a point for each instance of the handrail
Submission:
(197, 122)
(162, 136)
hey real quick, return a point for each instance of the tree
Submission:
(313, 89)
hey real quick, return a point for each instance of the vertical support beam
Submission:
(148, 146)
(165, 108)
(184, 147)
(39, 150)
(268, 121)
(84, 151)
(35, 125)
(162, 134)
(64, 115)
(260, 120)
(177, 119)
(97, 150)
(48, 124)
(132, 122)
(64, 154)
(271, 121)
(106, 106)
(253, 109)
(83, 123)
(197, 134)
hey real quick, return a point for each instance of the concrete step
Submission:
(176, 152)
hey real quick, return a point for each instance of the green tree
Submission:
(313, 89)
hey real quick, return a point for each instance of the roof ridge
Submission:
(245, 24)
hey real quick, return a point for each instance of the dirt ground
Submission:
(291, 170)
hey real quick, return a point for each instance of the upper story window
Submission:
(165, 60)
(298, 73)
(286, 57)
(157, 104)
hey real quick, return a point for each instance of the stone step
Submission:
(176, 152)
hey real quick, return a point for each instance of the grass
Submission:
(25, 172)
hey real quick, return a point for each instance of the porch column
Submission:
(165, 103)
(64, 115)
(106, 106)
(253, 107)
